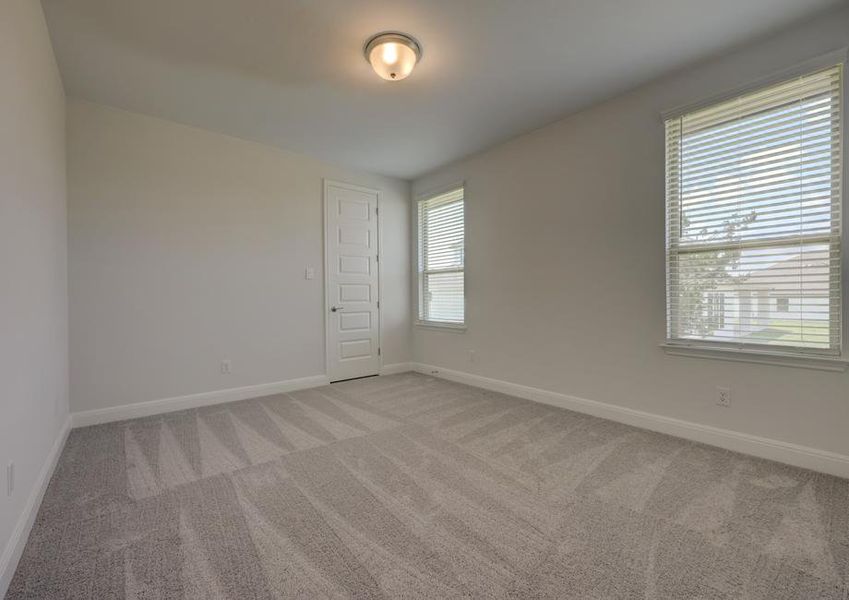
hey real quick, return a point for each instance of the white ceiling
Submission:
(290, 73)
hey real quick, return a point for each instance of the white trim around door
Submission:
(352, 283)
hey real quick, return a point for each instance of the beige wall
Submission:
(189, 247)
(33, 259)
(565, 264)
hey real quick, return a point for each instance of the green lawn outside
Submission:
(788, 331)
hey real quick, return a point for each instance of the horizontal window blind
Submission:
(441, 237)
(753, 198)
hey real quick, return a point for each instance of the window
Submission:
(441, 240)
(716, 309)
(753, 219)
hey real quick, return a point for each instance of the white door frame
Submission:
(327, 347)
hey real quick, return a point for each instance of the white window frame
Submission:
(419, 274)
(770, 356)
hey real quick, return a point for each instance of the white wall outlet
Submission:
(225, 367)
(723, 396)
(472, 356)
(10, 478)
(309, 273)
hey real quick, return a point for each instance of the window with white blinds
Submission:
(441, 239)
(753, 200)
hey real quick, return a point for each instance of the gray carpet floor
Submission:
(412, 487)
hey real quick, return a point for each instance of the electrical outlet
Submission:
(309, 273)
(225, 367)
(471, 356)
(10, 478)
(723, 396)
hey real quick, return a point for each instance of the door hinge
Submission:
(377, 210)
(377, 258)
(378, 351)
(378, 304)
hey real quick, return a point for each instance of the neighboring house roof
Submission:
(783, 273)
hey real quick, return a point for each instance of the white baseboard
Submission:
(18, 540)
(165, 405)
(784, 452)
(396, 368)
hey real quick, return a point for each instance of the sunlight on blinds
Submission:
(441, 259)
(753, 199)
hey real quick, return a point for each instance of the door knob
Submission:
(335, 308)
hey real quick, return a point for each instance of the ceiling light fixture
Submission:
(393, 55)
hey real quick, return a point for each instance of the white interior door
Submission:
(351, 281)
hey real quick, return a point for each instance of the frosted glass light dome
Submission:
(393, 55)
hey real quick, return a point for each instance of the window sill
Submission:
(799, 361)
(441, 326)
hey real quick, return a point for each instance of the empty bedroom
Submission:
(424, 299)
